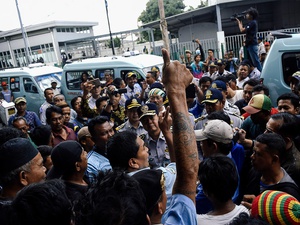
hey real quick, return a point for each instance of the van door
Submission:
(32, 94)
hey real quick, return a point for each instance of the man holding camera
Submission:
(250, 30)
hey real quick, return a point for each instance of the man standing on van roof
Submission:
(48, 93)
(7, 94)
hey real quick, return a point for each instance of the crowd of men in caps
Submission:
(126, 153)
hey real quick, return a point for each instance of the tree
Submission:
(117, 43)
(151, 13)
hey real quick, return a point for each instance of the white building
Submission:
(45, 41)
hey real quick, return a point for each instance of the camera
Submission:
(117, 91)
(238, 16)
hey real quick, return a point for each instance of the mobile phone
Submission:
(95, 82)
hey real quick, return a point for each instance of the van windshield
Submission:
(44, 81)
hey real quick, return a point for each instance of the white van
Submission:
(282, 61)
(118, 65)
(30, 82)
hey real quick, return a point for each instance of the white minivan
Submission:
(118, 65)
(30, 82)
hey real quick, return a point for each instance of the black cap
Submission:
(64, 156)
(15, 153)
(132, 103)
(152, 184)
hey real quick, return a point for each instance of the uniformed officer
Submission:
(214, 101)
(221, 85)
(133, 122)
(154, 138)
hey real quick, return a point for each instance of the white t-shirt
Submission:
(238, 95)
(205, 219)
(240, 83)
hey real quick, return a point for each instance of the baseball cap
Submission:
(155, 69)
(295, 76)
(3, 83)
(257, 103)
(152, 185)
(212, 64)
(221, 62)
(19, 99)
(157, 85)
(15, 153)
(212, 95)
(149, 109)
(188, 51)
(83, 132)
(132, 103)
(130, 74)
(64, 156)
(267, 43)
(220, 85)
(53, 81)
(276, 207)
(217, 130)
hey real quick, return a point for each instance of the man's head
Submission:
(58, 99)
(21, 124)
(131, 106)
(204, 83)
(4, 85)
(43, 203)
(285, 124)
(243, 71)
(215, 137)
(66, 111)
(148, 114)
(53, 84)
(260, 89)
(41, 135)
(101, 130)
(85, 139)
(116, 198)
(76, 104)
(131, 155)
(157, 96)
(55, 118)
(259, 107)
(152, 183)
(221, 64)
(68, 158)
(130, 78)
(219, 178)
(212, 67)
(188, 53)
(248, 88)
(288, 102)
(156, 70)
(210, 52)
(48, 93)
(213, 100)
(294, 82)
(252, 14)
(190, 93)
(101, 103)
(231, 81)
(96, 91)
(20, 164)
(268, 150)
(7, 133)
(108, 76)
(20, 104)
(221, 86)
(150, 77)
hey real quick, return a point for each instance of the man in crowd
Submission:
(7, 94)
(133, 121)
(60, 132)
(288, 102)
(31, 117)
(48, 93)
(133, 88)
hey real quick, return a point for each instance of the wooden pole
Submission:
(163, 25)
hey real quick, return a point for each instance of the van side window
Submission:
(99, 73)
(139, 76)
(29, 86)
(290, 64)
(73, 79)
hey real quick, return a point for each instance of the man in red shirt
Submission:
(60, 132)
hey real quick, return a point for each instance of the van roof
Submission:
(32, 71)
(139, 61)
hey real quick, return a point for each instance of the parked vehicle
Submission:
(282, 61)
(30, 82)
(118, 65)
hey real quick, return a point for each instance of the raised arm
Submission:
(176, 78)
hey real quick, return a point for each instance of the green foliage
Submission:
(151, 13)
(117, 43)
(203, 4)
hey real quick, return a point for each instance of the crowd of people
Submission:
(185, 146)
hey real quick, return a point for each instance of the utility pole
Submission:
(24, 36)
(163, 25)
(111, 39)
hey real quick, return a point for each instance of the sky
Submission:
(123, 14)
